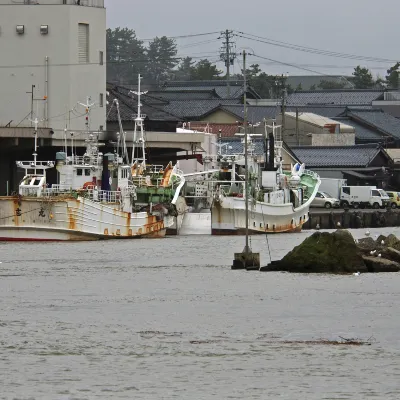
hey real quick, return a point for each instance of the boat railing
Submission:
(29, 191)
(311, 173)
(104, 196)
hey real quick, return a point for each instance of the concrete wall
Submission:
(333, 139)
(69, 82)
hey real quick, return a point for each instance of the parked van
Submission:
(363, 196)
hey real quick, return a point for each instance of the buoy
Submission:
(367, 233)
(379, 255)
(383, 242)
(356, 274)
(372, 252)
(339, 224)
(317, 227)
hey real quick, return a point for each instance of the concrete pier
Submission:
(320, 219)
(246, 260)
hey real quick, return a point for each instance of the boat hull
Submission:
(228, 217)
(72, 219)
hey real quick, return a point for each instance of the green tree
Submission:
(313, 87)
(125, 56)
(327, 85)
(205, 70)
(362, 78)
(299, 87)
(392, 77)
(161, 59)
(185, 71)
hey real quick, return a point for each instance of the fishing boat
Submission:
(99, 196)
(278, 199)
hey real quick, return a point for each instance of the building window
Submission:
(87, 172)
(101, 101)
(101, 58)
(20, 29)
(44, 29)
(79, 172)
(83, 43)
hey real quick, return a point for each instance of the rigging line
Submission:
(315, 50)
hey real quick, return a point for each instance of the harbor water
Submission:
(168, 319)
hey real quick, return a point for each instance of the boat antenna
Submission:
(138, 138)
(121, 135)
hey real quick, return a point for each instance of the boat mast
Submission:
(246, 185)
(139, 118)
(36, 122)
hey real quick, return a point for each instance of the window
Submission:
(346, 190)
(20, 29)
(79, 172)
(375, 193)
(101, 57)
(44, 29)
(87, 172)
(318, 195)
(390, 194)
(83, 43)
(101, 101)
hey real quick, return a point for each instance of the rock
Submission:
(380, 238)
(392, 241)
(391, 254)
(378, 264)
(323, 252)
(367, 244)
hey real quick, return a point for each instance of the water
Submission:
(168, 319)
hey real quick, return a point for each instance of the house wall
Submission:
(69, 82)
(220, 117)
(390, 107)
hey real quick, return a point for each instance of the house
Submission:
(315, 130)
(367, 164)
(372, 126)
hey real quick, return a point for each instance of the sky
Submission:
(366, 28)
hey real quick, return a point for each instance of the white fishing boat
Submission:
(278, 200)
(99, 196)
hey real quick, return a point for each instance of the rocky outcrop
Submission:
(323, 252)
(340, 253)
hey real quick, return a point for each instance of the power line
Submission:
(311, 49)
(182, 36)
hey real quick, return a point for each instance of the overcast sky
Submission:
(359, 27)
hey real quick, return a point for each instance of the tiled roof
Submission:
(184, 94)
(378, 119)
(236, 88)
(194, 109)
(363, 133)
(337, 156)
(128, 107)
(333, 97)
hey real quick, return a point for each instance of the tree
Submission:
(327, 85)
(362, 78)
(205, 70)
(299, 87)
(313, 87)
(392, 77)
(161, 59)
(125, 56)
(185, 70)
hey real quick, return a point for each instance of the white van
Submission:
(363, 196)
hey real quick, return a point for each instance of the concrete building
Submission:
(52, 57)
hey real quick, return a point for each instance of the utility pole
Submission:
(283, 105)
(246, 185)
(228, 56)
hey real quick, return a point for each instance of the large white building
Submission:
(55, 49)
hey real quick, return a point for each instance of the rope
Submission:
(266, 235)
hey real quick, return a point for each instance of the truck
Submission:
(363, 196)
(332, 186)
